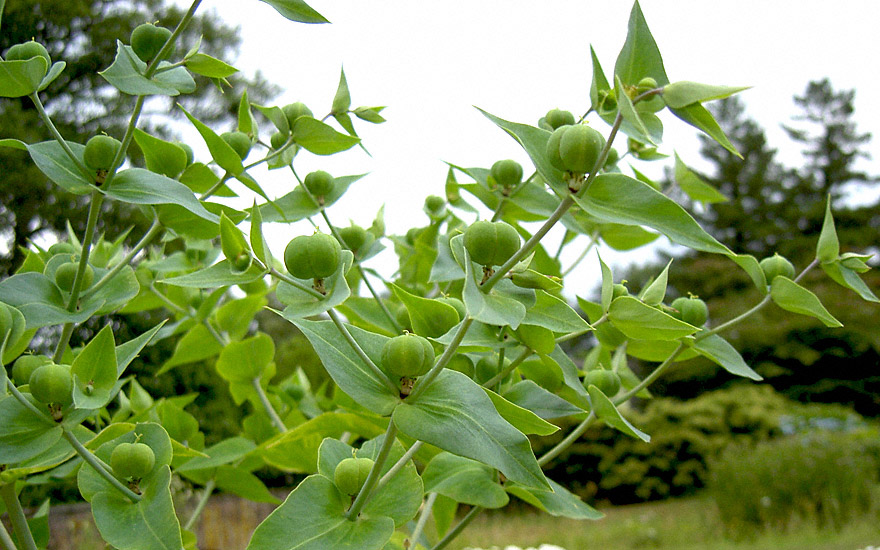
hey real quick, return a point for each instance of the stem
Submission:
(16, 517)
(455, 531)
(399, 465)
(293, 282)
(423, 518)
(270, 410)
(361, 353)
(166, 48)
(5, 540)
(655, 374)
(569, 439)
(425, 381)
(203, 501)
(168, 303)
(102, 469)
(27, 404)
(145, 240)
(41, 110)
(594, 238)
(373, 477)
(509, 368)
(213, 189)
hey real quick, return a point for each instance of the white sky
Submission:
(431, 62)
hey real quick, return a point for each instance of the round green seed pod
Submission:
(25, 366)
(491, 243)
(66, 273)
(319, 183)
(461, 363)
(100, 151)
(691, 310)
(52, 384)
(607, 381)
(190, 156)
(278, 140)
(618, 290)
(457, 304)
(312, 256)
(351, 474)
(557, 118)
(295, 110)
(147, 40)
(408, 355)
(28, 50)
(62, 248)
(239, 141)
(402, 317)
(132, 460)
(354, 237)
(612, 158)
(435, 204)
(579, 148)
(646, 84)
(507, 173)
(775, 266)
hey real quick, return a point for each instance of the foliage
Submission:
(441, 423)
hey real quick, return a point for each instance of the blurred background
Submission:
(772, 458)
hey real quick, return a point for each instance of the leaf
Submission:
(52, 161)
(21, 77)
(697, 116)
(246, 360)
(346, 368)
(226, 452)
(219, 274)
(196, 345)
(222, 153)
(319, 138)
(639, 57)
(296, 10)
(637, 127)
(599, 83)
(297, 205)
(318, 499)
(655, 292)
(848, 278)
(232, 241)
(258, 243)
(342, 99)
(95, 372)
(684, 93)
(302, 304)
(40, 301)
(554, 314)
(546, 405)
(139, 186)
(24, 435)
(126, 74)
(694, 186)
(430, 318)
(240, 482)
(161, 156)
(606, 411)
(720, 351)
(559, 502)
(495, 308)
(828, 247)
(54, 72)
(791, 296)
(454, 413)
(211, 67)
(463, 480)
(522, 419)
(246, 122)
(643, 322)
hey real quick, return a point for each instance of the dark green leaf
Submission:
(463, 480)
(697, 116)
(222, 153)
(23, 436)
(791, 296)
(720, 351)
(139, 186)
(126, 74)
(554, 314)
(95, 371)
(533, 397)
(161, 156)
(559, 502)
(694, 186)
(22, 77)
(606, 411)
(520, 418)
(641, 321)
(52, 161)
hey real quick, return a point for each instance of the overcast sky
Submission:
(431, 62)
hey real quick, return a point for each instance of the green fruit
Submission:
(28, 50)
(190, 156)
(147, 40)
(487, 368)
(351, 474)
(132, 460)
(319, 183)
(62, 248)
(294, 111)
(575, 148)
(408, 355)
(354, 237)
(691, 310)
(412, 234)
(507, 173)
(435, 204)
(457, 304)
(66, 273)
(491, 243)
(462, 364)
(278, 140)
(239, 141)
(312, 256)
(557, 118)
(25, 366)
(402, 318)
(612, 158)
(607, 381)
(646, 84)
(100, 151)
(775, 266)
(52, 384)
(242, 261)
(618, 290)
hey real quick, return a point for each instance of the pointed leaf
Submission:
(656, 291)
(296, 10)
(139, 186)
(211, 67)
(219, 274)
(302, 304)
(342, 99)
(319, 138)
(828, 247)
(245, 360)
(430, 318)
(161, 156)
(222, 153)
(546, 405)
(848, 278)
(95, 371)
(52, 161)
(599, 83)
(684, 93)
(697, 116)
(21, 77)
(24, 435)
(559, 502)
(606, 411)
(463, 480)
(520, 418)
(643, 322)
(639, 57)
(630, 115)
(720, 351)
(694, 186)
(791, 296)
(126, 74)
(554, 314)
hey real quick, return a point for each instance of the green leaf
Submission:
(522, 419)
(697, 116)
(463, 480)
(683, 93)
(246, 122)
(606, 411)
(599, 83)
(317, 499)
(370, 114)
(607, 292)
(222, 153)
(455, 414)
(258, 243)
(720, 351)
(245, 360)
(637, 128)
(196, 345)
(694, 186)
(791, 296)
(40, 301)
(655, 292)
(23, 435)
(554, 314)
(639, 57)
(211, 67)
(139, 186)
(95, 372)
(22, 77)
(161, 156)
(643, 322)
(126, 74)
(302, 304)
(342, 99)
(219, 274)
(533, 397)
(240, 482)
(52, 161)
(430, 318)
(848, 278)
(559, 502)
(54, 72)
(319, 138)
(226, 452)
(234, 317)
(495, 308)
(828, 247)
(232, 240)
(346, 368)
(296, 10)
(297, 205)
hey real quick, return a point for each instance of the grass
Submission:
(684, 524)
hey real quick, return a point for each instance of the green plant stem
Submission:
(573, 436)
(459, 527)
(102, 469)
(200, 506)
(5, 540)
(398, 466)
(169, 44)
(44, 116)
(28, 405)
(154, 230)
(213, 189)
(655, 374)
(373, 476)
(293, 282)
(361, 353)
(423, 518)
(509, 368)
(168, 303)
(16, 517)
(270, 410)
(424, 381)
(594, 238)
